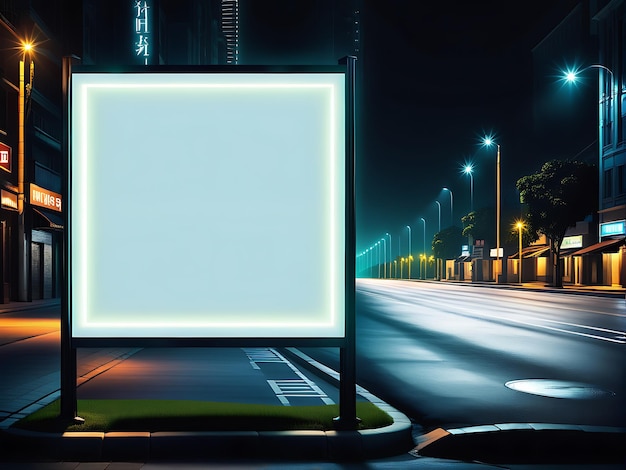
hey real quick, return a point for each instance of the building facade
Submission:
(31, 222)
(611, 20)
(585, 120)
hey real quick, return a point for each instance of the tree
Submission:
(447, 243)
(479, 224)
(562, 193)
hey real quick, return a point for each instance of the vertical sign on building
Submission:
(142, 38)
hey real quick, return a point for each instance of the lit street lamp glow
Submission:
(520, 225)
(468, 169)
(409, 258)
(388, 235)
(22, 250)
(488, 141)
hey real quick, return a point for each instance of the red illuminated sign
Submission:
(5, 157)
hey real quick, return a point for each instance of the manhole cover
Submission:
(558, 389)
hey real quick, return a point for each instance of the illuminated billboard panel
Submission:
(207, 205)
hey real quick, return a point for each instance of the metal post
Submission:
(22, 250)
(519, 228)
(498, 209)
(347, 419)
(408, 259)
(68, 353)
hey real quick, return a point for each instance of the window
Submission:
(621, 170)
(608, 183)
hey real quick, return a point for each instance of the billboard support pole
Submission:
(347, 419)
(68, 353)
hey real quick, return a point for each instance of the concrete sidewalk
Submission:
(245, 375)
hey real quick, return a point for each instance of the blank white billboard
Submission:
(207, 205)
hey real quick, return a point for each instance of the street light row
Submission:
(367, 255)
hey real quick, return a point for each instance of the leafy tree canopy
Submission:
(562, 193)
(480, 224)
(447, 243)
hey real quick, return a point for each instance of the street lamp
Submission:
(377, 245)
(488, 141)
(468, 169)
(22, 249)
(439, 206)
(451, 207)
(571, 76)
(520, 225)
(409, 257)
(384, 257)
(424, 220)
(388, 235)
(608, 113)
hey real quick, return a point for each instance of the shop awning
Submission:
(47, 220)
(531, 252)
(602, 247)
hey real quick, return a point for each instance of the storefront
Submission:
(46, 243)
(8, 224)
(600, 263)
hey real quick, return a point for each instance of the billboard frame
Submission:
(346, 343)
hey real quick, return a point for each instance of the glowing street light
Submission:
(488, 142)
(572, 75)
(390, 257)
(409, 258)
(424, 220)
(451, 206)
(610, 112)
(377, 245)
(468, 169)
(520, 225)
(22, 251)
(384, 257)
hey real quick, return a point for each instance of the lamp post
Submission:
(377, 245)
(384, 257)
(409, 257)
(424, 220)
(571, 76)
(390, 258)
(22, 251)
(488, 141)
(439, 207)
(519, 225)
(451, 207)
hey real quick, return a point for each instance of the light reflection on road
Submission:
(443, 352)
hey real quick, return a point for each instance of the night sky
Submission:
(436, 77)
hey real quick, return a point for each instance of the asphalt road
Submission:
(444, 353)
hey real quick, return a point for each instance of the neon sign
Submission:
(142, 37)
(613, 228)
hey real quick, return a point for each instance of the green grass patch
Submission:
(183, 415)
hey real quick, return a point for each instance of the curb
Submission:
(285, 445)
(526, 443)
(147, 446)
